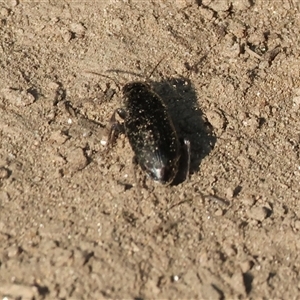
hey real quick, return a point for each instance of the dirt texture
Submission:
(75, 223)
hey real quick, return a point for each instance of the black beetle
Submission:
(151, 133)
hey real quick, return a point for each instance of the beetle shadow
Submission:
(180, 97)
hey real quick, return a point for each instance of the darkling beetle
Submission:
(151, 132)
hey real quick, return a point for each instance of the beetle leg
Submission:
(121, 112)
(135, 166)
(187, 154)
(115, 126)
(184, 162)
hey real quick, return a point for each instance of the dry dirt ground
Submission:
(73, 222)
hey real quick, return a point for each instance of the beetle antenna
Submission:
(154, 69)
(124, 72)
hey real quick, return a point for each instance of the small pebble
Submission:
(18, 291)
(4, 12)
(229, 249)
(248, 201)
(14, 3)
(18, 97)
(78, 29)
(4, 197)
(241, 4)
(237, 28)
(258, 213)
(237, 282)
(53, 85)
(206, 13)
(216, 119)
(252, 123)
(103, 142)
(66, 35)
(4, 173)
(59, 137)
(13, 251)
(219, 212)
(229, 192)
(246, 265)
(297, 224)
(296, 100)
(217, 5)
(77, 160)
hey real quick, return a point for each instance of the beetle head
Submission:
(134, 87)
(162, 172)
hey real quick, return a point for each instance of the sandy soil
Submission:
(74, 224)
